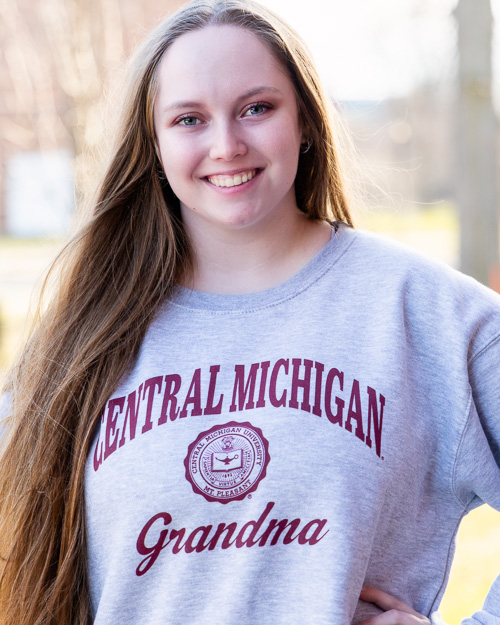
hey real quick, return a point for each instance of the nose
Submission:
(227, 142)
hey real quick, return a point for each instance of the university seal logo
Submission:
(227, 462)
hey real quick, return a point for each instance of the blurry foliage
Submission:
(56, 56)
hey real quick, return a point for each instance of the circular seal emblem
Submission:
(227, 462)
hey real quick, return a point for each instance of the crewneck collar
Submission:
(342, 236)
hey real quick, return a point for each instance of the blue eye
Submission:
(257, 109)
(188, 121)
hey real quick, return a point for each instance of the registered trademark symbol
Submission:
(383, 458)
(249, 496)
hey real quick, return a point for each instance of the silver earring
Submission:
(305, 147)
(161, 174)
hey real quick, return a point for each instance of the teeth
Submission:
(232, 181)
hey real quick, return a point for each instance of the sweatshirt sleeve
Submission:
(477, 469)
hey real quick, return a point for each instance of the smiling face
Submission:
(228, 132)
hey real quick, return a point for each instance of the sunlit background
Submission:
(416, 81)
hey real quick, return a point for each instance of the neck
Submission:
(252, 260)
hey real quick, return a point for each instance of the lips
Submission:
(226, 180)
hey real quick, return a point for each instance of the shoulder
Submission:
(393, 263)
(381, 255)
(428, 291)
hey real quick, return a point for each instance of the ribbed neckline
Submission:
(342, 237)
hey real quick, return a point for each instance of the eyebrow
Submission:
(193, 104)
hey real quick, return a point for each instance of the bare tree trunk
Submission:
(477, 138)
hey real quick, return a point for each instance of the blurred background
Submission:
(416, 81)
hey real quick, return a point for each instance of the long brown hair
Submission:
(115, 273)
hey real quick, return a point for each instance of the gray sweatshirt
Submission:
(268, 454)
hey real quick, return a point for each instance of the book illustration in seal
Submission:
(227, 462)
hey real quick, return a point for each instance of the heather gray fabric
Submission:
(270, 453)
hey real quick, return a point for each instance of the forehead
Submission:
(219, 60)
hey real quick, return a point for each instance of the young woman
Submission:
(238, 409)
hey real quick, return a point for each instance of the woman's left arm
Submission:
(476, 477)
(476, 480)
